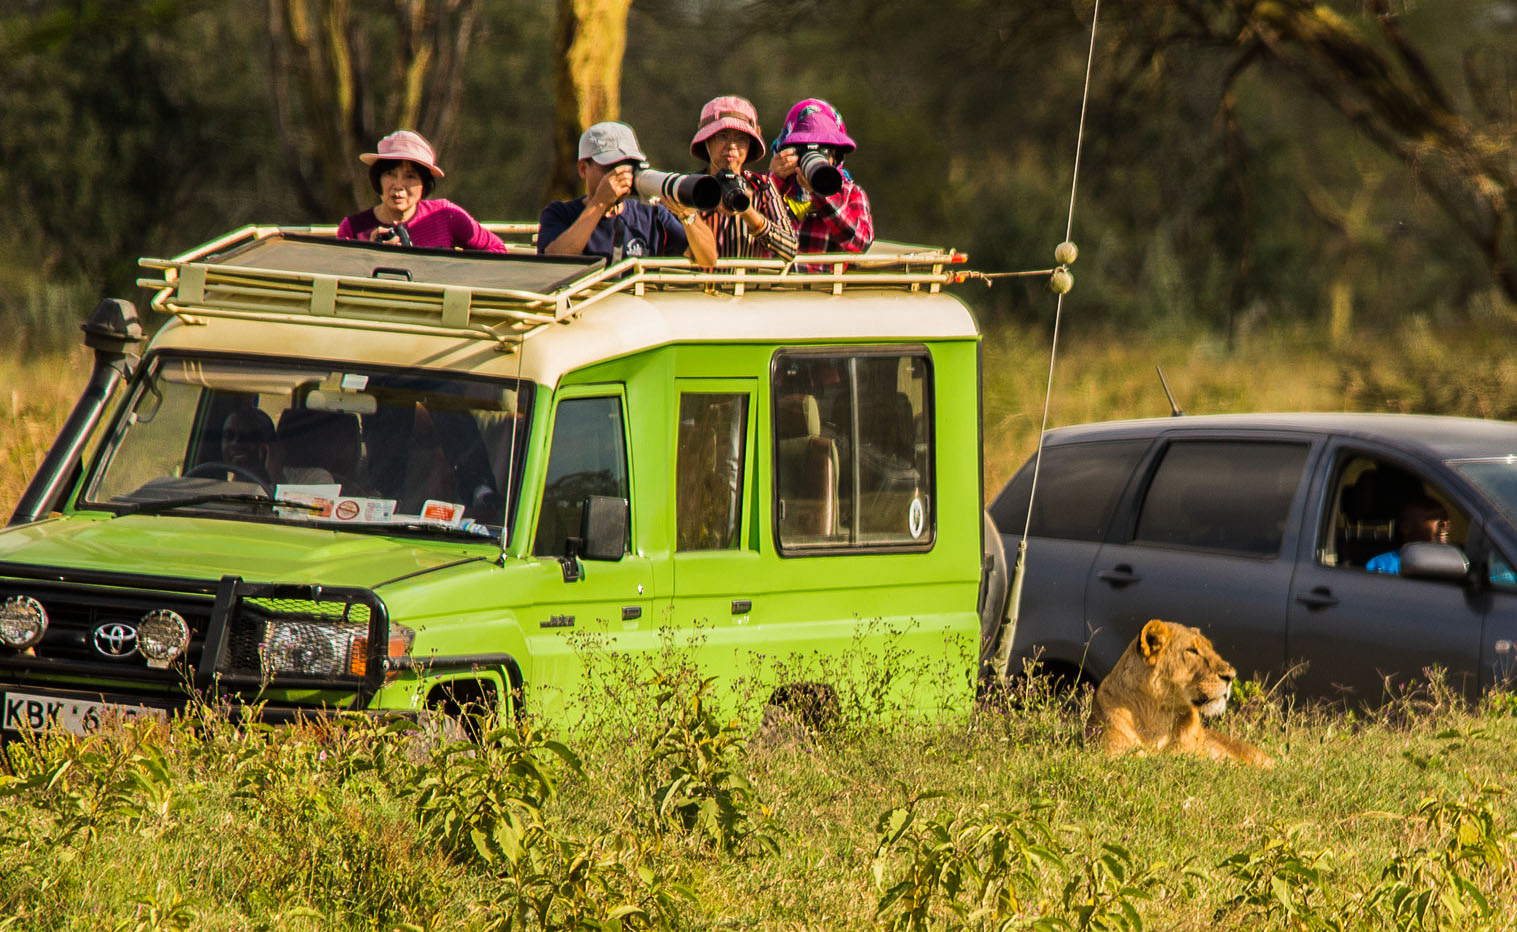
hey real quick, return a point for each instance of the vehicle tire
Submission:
(995, 586)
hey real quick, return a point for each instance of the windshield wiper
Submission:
(239, 498)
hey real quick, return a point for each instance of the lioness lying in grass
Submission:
(1169, 676)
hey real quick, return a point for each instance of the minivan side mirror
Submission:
(1427, 560)
(604, 528)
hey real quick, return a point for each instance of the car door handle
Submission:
(1119, 575)
(1320, 597)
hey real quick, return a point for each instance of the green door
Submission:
(585, 612)
(718, 577)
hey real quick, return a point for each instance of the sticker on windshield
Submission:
(916, 518)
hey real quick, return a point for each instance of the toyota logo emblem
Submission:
(115, 639)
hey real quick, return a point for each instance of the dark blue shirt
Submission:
(640, 230)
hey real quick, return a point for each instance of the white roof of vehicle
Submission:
(536, 319)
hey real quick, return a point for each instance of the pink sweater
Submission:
(436, 224)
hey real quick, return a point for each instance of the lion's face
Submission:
(1186, 667)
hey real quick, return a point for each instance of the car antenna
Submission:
(1174, 409)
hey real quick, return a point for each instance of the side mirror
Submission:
(1427, 560)
(604, 529)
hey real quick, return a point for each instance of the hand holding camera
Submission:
(397, 234)
(814, 165)
(735, 196)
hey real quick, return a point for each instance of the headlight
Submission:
(324, 649)
(23, 621)
(162, 636)
(307, 648)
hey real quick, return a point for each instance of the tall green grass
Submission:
(1002, 820)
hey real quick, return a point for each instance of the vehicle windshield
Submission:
(1496, 478)
(402, 451)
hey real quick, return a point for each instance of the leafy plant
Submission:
(690, 777)
(1280, 881)
(1438, 885)
(1102, 893)
(947, 864)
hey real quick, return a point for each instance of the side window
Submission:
(1078, 486)
(853, 450)
(1377, 507)
(588, 457)
(1222, 495)
(708, 493)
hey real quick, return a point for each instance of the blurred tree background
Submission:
(1342, 165)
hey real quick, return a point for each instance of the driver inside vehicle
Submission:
(246, 437)
(1422, 519)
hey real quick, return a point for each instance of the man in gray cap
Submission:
(605, 223)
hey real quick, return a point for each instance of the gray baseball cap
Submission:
(609, 143)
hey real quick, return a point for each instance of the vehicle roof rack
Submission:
(306, 275)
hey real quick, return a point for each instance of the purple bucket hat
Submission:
(814, 122)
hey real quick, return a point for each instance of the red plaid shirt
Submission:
(840, 223)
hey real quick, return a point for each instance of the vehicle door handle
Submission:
(1119, 575)
(1320, 597)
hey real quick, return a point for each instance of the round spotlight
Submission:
(162, 635)
(23, 621)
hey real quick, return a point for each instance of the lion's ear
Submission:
(1155, 635)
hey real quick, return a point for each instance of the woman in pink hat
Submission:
(752, 220)
(831, 211)
(403, 172)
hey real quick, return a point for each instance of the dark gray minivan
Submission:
(1257, 529)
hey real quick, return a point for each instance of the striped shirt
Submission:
(775, 241)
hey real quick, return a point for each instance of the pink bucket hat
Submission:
(407, 146)
(814, 122)
(727, 113)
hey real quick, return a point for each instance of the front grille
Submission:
(92, 615)
(81, 621)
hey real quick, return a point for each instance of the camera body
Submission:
(816, 166)
(735, 197)
(702, 192)
(398, 231)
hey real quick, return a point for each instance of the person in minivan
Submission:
(1422, 519)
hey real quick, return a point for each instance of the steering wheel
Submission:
(212, 467)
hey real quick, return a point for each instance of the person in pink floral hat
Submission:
(403, 172)
(752, 220)
(831, 211)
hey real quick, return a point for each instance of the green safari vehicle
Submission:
(347, 476)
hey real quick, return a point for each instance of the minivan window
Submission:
(588, 457)
(1231, 496)
(708, 492)
(1078, 486)
(853, 450)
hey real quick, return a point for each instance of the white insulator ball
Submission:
(1061, 281)
(1066, 253)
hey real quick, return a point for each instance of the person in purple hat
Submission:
(607, 222)
(831, 211)
(752, 222)
(403, 172)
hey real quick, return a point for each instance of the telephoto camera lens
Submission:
(734, 193)
(702, 192)
(821, 174)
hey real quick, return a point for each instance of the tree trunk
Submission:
(330, 102)
(590, 37)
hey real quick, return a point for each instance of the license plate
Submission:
(28, 711)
